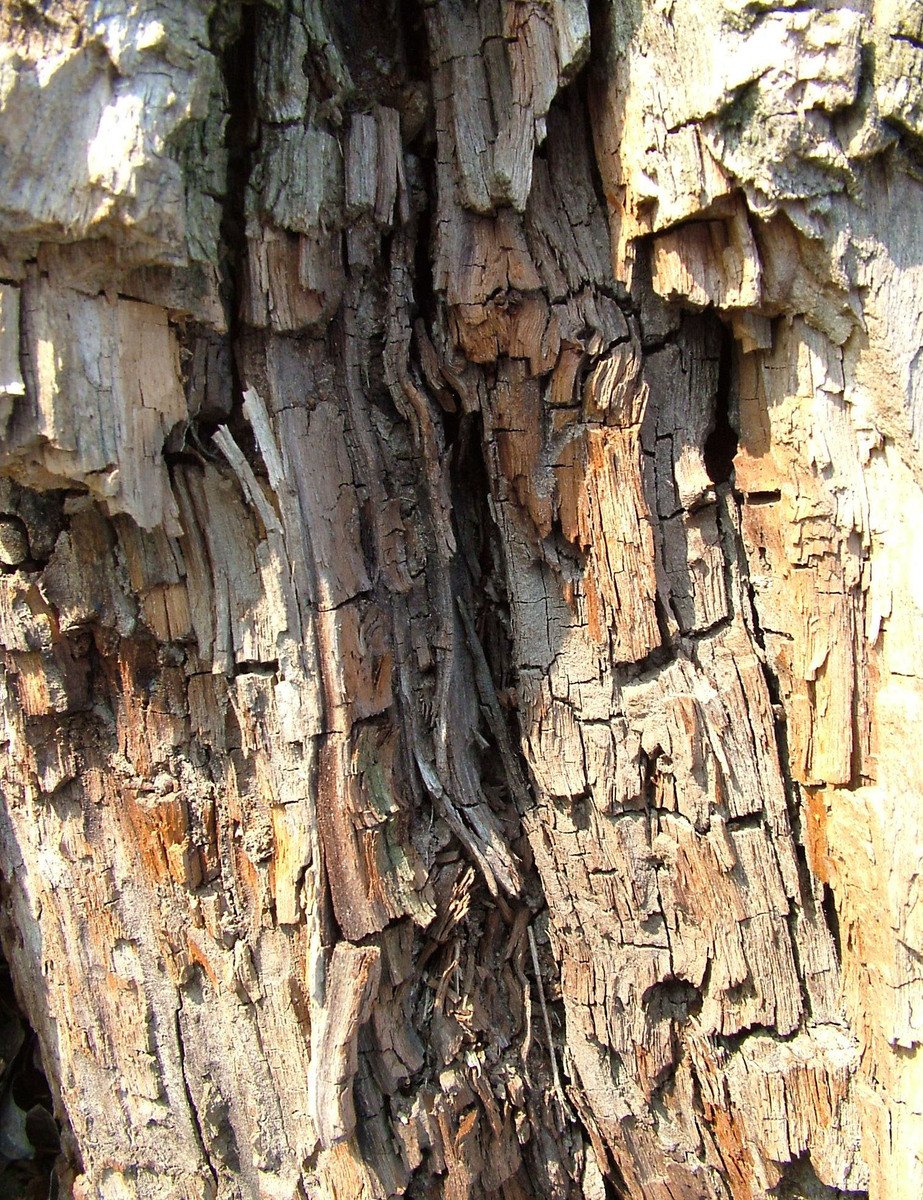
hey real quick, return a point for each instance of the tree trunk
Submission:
(461, 490)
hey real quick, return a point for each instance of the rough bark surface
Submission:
(461, 482)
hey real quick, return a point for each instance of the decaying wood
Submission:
(459, 596)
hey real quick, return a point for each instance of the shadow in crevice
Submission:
(29, 1134)
(800, 1182)
(721, 444)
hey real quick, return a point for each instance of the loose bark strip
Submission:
(459, 482)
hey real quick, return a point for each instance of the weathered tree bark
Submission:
(461, 597)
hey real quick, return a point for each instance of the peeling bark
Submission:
(460, 466)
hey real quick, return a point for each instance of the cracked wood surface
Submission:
(460, 481)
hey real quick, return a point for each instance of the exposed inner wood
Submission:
(459, 596)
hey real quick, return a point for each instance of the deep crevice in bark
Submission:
(30, 1135)
(238, 64)
(721, 443)
(832, 917)
(480, 549)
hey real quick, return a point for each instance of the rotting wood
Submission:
(459, 595)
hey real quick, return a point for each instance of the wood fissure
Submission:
(458, 474)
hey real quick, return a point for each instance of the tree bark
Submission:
(461, 474)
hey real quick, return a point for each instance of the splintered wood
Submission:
(461, 714)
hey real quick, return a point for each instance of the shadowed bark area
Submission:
(459, 466)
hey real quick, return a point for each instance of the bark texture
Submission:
(461, 482)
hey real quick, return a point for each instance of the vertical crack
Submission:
(721, 443)
(30, 1137)
(196, 1123)
(238, 63)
